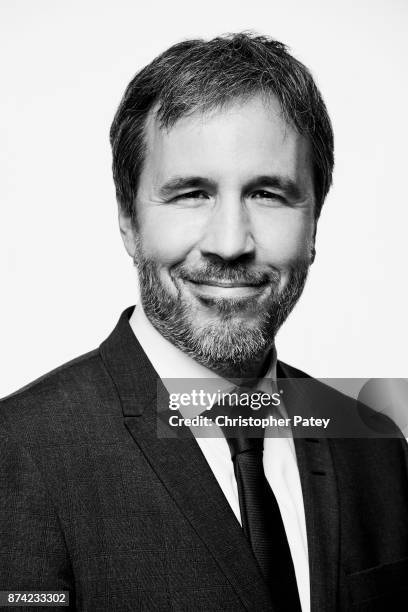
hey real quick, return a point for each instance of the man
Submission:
(222, 159)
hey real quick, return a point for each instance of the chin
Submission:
(229, 348)
(226, 321)
(240, 308)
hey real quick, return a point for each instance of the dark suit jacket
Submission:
(93, 502)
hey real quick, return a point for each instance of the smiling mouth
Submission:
(219, 283)
(226, 289)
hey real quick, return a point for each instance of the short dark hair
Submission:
(198, 75)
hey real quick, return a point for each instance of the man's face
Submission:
(225, 232)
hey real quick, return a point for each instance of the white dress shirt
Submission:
(279, 459)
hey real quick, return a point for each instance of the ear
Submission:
(313, 245)
(312, 254)
(128, 231)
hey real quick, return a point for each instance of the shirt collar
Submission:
(173, 365)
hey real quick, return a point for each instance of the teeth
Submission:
(226, 290)
(226, 284)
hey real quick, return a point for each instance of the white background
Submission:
(64, 275)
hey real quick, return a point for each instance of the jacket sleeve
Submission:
(33, 553)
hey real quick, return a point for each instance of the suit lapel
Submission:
(320, 497)
(181, 467)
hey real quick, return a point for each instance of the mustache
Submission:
(227, 272)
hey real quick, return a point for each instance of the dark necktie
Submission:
(262, 523)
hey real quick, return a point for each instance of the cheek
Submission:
(168, 235)
(286, 239)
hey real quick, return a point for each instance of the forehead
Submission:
(243, 138)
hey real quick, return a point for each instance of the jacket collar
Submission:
(131, 371)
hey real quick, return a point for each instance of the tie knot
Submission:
(243, 444)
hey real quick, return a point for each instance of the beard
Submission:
(237, 331)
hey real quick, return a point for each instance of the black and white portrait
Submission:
(215, 194)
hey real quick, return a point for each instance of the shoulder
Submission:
(54, 376)
(70, 375)
(348, 405)
(377, 441)
(49, 407)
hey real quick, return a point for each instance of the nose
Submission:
(228, 232)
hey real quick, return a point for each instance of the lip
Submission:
(225, 284)
(222, 289)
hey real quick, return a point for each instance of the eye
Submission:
(262, 194)
(193, 195)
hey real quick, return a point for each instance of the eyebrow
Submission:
(284, 184)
